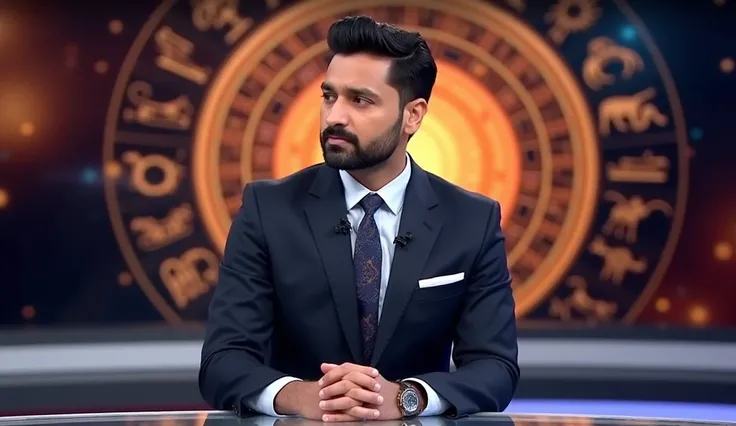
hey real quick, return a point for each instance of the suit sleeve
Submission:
(263, 402)
(436, 405)
(485, 348)
(233, 366)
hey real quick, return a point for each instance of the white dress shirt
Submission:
(388, 219)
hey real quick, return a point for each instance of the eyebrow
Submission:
(355, 91)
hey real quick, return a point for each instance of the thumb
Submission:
(326, 366)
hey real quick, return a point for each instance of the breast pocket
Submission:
(439, 288)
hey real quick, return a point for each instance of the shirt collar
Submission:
(392, 193)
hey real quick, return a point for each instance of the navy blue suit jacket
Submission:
(286, 300)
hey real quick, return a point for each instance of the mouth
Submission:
(334, 140)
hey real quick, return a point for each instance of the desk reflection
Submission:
(485, 419)
(204, 418)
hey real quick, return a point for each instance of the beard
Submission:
(358, 156)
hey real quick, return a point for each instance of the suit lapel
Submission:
(325, 206)
(421, 217)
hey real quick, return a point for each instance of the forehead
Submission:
(359, 70)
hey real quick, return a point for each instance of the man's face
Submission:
(360, 120)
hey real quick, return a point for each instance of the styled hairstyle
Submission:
(413, 70)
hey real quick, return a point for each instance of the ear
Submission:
(414, 113)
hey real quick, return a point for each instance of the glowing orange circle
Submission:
(466, 137)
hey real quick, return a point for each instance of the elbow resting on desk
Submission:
(228, 376)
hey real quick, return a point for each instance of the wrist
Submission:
(288, 401)
(411, 399)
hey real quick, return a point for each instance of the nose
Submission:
(336, 114)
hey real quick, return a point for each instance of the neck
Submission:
(379, 176)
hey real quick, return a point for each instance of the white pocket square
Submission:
(441, 280)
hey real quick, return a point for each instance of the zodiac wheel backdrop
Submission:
(564, 112)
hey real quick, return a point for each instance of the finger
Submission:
(338, 389)
(362, 380)
(339, 417)
(363, 413)
(351, 380)
(364, 396)
(338, 404)
(333, 376)
(339, 372)
(365, 369)
(326, 367)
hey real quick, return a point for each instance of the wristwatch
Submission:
(409, 400)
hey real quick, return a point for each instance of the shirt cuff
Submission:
(436, 405)
(263, 402)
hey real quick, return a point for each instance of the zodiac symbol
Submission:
(569, 16)
(518, 5)
(174, 56)
(155, 233)
(617, 261)
(636, 109)
(189, 276)
(601, 52)
(141, 165)
(217, 14)
(581, 301)
(648, 168)
(626, 215)
(175, 114)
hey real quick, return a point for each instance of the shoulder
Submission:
(286, 187)
(458, 198)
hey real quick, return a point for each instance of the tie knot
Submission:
(371, 203)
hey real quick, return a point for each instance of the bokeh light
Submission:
(115, 26)
(4, 198)
(628, 33)
(27, 129)
(18, 110)
(699, 315)
(723, 251)
(663, 305)
(101, 67)
(727, 65)
(89, 175)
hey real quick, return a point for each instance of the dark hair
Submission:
(413, 70)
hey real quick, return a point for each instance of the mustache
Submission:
(339, 132)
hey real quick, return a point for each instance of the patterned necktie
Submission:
(367, 264)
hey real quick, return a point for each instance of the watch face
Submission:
(410, 401)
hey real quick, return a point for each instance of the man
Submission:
(344, 286)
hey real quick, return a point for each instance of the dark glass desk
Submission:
(213, 418)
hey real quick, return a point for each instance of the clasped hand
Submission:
(351, 392)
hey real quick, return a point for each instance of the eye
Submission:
(327, 97)
(363, 101)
